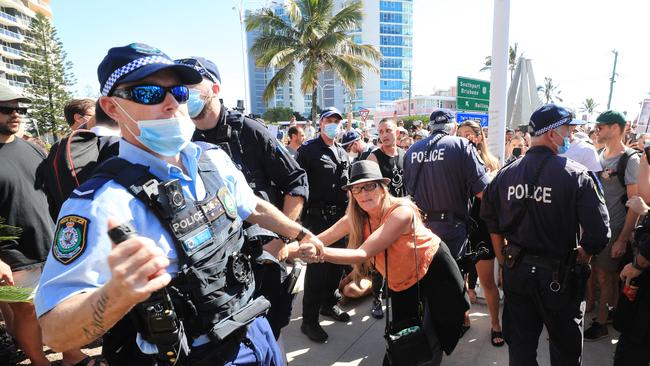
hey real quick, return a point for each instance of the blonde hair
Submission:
(358, 218)
(491, 162)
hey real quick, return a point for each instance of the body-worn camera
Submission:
(173, 192)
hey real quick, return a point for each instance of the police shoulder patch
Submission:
(228, 202)
(70, 238)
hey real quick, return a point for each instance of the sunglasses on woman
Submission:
(10, 110)
(153, 94)
(368, 187)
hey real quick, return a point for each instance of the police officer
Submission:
(327, 165)
(354, 145)
(537, 204)
(442, 172)
(267, 166)
(181, 292)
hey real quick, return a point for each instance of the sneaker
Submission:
(314, 332)
(377, 311)
(336, 313)
(595, 332)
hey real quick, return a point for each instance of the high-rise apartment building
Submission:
(388, 25)
(15, 16)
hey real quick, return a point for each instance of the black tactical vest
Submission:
(211, 294)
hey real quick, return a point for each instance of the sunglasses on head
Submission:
(198, 66)
(10, 110)
(152, 94)
(368, 187)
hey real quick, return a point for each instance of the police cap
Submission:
(441, 116)
(330, 111)
(349, 137)
(207, 68)
(550, 116)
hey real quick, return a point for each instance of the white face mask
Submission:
(166, 137)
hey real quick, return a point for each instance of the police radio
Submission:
(156, 316)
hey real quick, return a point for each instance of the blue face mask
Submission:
(331, 130)
(566, 142)
(195, 103)
(166, 137)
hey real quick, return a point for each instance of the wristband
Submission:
(636, 264)
(301, 235)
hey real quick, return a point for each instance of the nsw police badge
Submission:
(228, 202)
(70, 238)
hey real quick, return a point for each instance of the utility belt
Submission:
(444, 216)
(561, 271)
(327, 211)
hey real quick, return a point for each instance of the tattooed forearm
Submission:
(97, 328)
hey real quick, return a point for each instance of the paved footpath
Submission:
(360, 342)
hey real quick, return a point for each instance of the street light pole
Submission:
(612, 80)
(239, 7)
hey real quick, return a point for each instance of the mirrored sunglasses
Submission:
(152, 94)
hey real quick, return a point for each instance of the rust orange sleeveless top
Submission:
(401, 256)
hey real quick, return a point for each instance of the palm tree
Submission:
(316, 37)
(513, 57)
(550, 91)
(588, 106)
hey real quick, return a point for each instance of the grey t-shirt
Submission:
(612, 188)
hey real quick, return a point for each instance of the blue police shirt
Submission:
(544, 216)
(89, 211)
(441, 178)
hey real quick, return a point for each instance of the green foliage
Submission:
(8, 232)
(513, 58)
(316, 37)
(278, 114)
(550, 92)
(589, 106)
(50, 75)
(408, 120)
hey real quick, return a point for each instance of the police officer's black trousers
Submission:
(529, 304)
(321, 279)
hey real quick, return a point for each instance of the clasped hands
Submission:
(312, 251)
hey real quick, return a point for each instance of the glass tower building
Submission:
(396, 46)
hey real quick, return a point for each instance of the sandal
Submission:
(496, 335)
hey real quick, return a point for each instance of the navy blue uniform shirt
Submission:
(565, 197)
(264, 160)
(450, 174)
(327, 171)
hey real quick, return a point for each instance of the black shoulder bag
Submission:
(406, 341)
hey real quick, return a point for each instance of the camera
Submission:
(174, 194)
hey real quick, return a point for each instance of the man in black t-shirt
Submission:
(390, 157)
(23, 204)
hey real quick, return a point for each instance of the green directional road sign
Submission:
(472, 94)
(469, 104)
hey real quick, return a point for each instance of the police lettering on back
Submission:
(428, 156)
(529, 191)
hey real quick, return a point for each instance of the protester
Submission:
(92, 288)
(310, 131)
(509, 134)
(390, 157)
(538, 204)
(354, 145)
(296, 138)
(515, 149)
(383, 229)
(78, 112)
(619, 182)
(581, 150)
(480, 238)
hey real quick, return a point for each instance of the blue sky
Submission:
(570, 41)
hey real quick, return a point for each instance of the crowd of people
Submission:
(174, 228)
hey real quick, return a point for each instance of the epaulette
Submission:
(88, 188)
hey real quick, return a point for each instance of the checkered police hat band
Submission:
(130, 67)
(552, 126)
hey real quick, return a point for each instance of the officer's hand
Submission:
(277, 248)
(583, 257)
(309, 253)
(293, 250)
(637, 205)
(6, 277)
(137, 268)
(618, 249)
(628, 273)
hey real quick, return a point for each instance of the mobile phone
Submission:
(516, 152)
(647, 154)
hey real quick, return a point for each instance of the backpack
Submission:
(621, 167)
(72, 161)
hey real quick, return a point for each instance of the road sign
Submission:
(483, 118)
(364, 114)
(467, 104)
(472, 94)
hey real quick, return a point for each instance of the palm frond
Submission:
(347, 19)
(280, 78)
